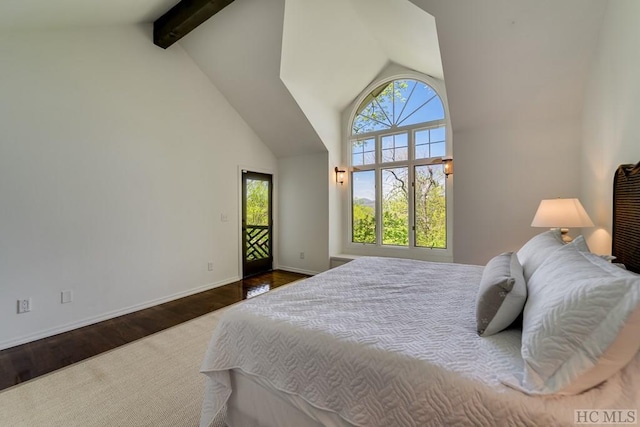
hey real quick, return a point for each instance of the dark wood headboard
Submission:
(626, 216)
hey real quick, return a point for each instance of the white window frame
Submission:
(380, 249)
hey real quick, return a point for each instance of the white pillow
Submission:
(581, 244)
(501, 294)
(583, 247)
(580, 322)
(537, 249)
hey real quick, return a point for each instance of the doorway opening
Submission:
(257, 223)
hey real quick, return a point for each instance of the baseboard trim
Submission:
(298, 270)
(110, 315)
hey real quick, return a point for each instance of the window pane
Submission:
(430, 143)
(376, 111)
(395, 148)
(364, 124)
(395, 206)
(369, 158)
(437, 134)
(422, 144)
(363, 206)
(403, 92)
(424, 105)
(257, 202)
(422, 136)
(437, 150)
(430, 207)
(384, 102)
(422, 151)
(363, 152)
(433, 110)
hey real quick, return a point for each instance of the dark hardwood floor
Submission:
(27, 361)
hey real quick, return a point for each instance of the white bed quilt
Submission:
(386, 342)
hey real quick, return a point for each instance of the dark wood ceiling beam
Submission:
(183, 18)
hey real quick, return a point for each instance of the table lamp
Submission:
(562, 214)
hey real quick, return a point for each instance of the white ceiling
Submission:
(38, 14)
(504, 60)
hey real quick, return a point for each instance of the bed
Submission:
(381, 342)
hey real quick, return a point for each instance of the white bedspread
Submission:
(386, 342)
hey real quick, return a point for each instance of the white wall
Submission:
(117, 159)
(336, 203)
(501, 174)
(611, 116)
(515, 72)
(304, 213)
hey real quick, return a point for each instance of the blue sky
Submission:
(404, 110)
(363, 185)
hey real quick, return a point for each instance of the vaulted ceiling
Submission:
(239, 50)
(41, 14)
(503, 60)
(325, 70)
(291, 67)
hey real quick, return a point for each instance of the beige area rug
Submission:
(154, 381)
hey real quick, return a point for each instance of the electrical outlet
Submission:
(66, 296)
(224, 217)
(24, 305)
(301, 255)
(210, 266)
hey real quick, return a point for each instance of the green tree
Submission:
(430, 209)
(364, 222)
(257, 202)
(257, 214)
(376, 110)
(395, 221)
(395, 207)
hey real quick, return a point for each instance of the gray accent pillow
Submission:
(501, 295)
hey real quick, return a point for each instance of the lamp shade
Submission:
(561, 213)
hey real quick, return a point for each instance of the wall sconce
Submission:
(448, 166)
(339, 175)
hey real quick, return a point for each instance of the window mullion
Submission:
(379, 206)
(378, 178)
(411, 191)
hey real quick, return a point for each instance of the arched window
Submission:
(398, 186)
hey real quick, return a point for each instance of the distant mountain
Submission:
(364, 202)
